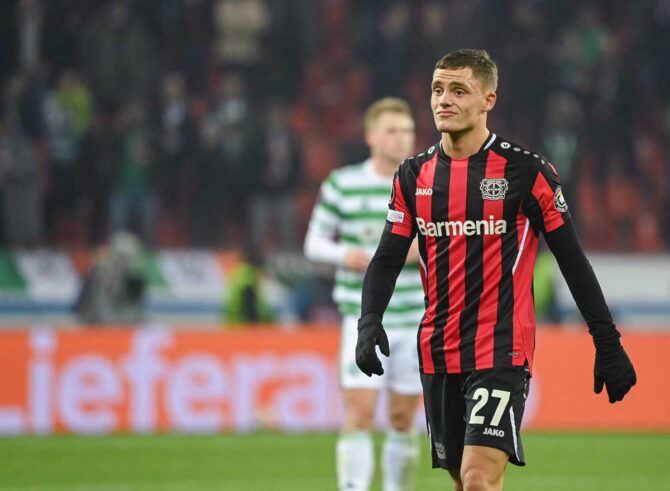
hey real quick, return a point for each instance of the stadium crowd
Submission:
(212, 122)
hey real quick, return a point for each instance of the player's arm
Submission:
(613, 368)
(321, 244)
(379, 282)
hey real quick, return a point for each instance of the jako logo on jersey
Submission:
(559, 200)
(468, 227)
(494, 432)
(494, 189)
(423, 192)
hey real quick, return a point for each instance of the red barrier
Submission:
(97, 381)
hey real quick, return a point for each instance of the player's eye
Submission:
(459, 92)
(437, 90)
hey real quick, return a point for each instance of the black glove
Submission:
(370, 334)
(613, 368)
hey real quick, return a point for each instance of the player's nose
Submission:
(445, 100)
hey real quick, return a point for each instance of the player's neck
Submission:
(383, 167)
(462, 145)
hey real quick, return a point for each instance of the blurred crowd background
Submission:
(212, 122)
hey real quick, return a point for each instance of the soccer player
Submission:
(344, 230)
(477, 203)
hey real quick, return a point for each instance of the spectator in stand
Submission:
(209, 200)
(23, 102)
(133, 195)
(67, 116)
(239, 134)
(118, 55)
(20, 193)
(96, 176)
(273, 204)
(241, 30)
(560, 135)
(174, 138)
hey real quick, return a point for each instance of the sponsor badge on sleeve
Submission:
(395, 216)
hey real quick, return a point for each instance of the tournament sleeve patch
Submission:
(559, 201)
(546, 197)
(399, 219)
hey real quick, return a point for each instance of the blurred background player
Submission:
(344, 231)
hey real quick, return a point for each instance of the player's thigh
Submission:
(483, 468)
(402, 367)
(456, 477)
(402, 408)
(495, 401)
(359, 409)
(351, 376)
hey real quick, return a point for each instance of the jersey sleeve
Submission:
(545, 205)
(321, 244)
(399, 220)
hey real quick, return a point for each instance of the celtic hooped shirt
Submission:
(478, 221)
(351, 209)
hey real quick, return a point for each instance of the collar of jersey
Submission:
(482, 153)
(369, 169)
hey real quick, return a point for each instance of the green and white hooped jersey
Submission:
(351, 212)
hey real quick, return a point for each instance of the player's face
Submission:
(391, 138)
(459, 100)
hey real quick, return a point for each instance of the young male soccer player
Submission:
(478, 203)
(344, 230)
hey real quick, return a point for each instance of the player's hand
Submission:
(370, 335)
(356, 260)
(613, 369)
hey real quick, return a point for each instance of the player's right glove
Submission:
(370, 335)
(613, 369)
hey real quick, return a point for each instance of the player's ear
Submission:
(490, 99)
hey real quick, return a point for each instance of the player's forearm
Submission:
(383, 272)
(580, 277)
(321, 249)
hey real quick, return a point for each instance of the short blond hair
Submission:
(385, 105)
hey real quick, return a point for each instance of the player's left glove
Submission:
(613, 369)
(370, 334)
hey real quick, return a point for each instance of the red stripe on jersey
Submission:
(424, 209)
(404, 227)
(545, 196)
(458, 187)
(523, 342)
(492, 272)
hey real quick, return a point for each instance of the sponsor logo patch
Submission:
(395, 216)
(559, 200)
(494, 189)
(468, 227)
(423, 192)
(494, 432)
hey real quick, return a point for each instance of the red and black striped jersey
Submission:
(478, 220)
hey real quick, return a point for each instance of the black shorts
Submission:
(483, 407)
